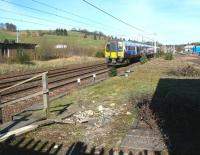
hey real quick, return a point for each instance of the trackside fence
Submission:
(44, 92)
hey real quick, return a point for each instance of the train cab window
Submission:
(113, 47)
(120, 48)
(108, 47)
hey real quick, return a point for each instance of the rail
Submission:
(44, 92)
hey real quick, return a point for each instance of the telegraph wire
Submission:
(25, 21)
(34, 17)
(76, 15)
(49, 13)
(65, 11)
(109, 14)
(46, 12)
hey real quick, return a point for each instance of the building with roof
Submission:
(9, 50)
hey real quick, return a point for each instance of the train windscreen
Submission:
(112, 47)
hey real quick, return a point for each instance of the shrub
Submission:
(186, 71)
(169, 56)
(113, 72)
(22, 57)
(159, 54)
(143, 59)
(142, 105)
(46, 55)
(99, 54)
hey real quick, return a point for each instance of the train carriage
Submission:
(119, 52)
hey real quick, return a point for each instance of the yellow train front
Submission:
(120, 52)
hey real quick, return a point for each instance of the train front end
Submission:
(114, 52)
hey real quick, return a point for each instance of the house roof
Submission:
(17, 45)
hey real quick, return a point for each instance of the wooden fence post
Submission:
(45, 93)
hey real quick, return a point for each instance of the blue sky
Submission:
(174, 21)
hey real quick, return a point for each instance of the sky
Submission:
(168, 21)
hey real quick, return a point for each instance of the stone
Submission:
(55, 146)
(100, 108)
(128, 113)
(112, 104)
(89, 112)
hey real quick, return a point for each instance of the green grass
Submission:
(118, 90)
(73, 39)
(7, 35)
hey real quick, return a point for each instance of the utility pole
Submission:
(17, 36)
(155, 48)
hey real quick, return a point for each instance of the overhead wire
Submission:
(116, 18)
(46, 12)
(71, 13)
(50, 13)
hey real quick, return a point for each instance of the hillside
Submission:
(75, 40)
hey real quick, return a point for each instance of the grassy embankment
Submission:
(6, 68)
(78, 46)
(114, 93)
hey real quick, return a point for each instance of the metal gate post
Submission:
(45, 93)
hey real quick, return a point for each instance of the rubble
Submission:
(128, 113)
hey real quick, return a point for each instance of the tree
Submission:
(95, 36)
(6, 41)
(28, 33)
(11, 27)
(85, 36)
(65, 32)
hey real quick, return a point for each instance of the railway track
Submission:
(61, 81)
(56, 78)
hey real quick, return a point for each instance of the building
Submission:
(189, 48)
(9, 50)
(61, 46)
(196, 49)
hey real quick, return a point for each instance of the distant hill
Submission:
(77, 41)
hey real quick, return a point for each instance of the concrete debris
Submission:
(55, 146)
(128, 113)
(100, 108)
(95, 119)
(112, 104)
(89, 112)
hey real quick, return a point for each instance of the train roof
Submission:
(133, 43)
(128, 43)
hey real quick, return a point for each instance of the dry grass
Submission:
(37, 65)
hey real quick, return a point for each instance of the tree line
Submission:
(8, 27)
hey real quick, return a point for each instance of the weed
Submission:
(22, 57)
(169, 56)
(113, 72)
(159, 54)
(143, 59)
(186, 71)
(99, 54)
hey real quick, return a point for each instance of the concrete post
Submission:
(45, 93)
(155, 48)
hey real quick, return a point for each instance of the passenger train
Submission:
(119, 52)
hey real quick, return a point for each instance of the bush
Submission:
(22, 57)
(159, 54)
(113, 72)
(143, 59)
(169, 56)
(46, 55)
(186, 71)
(99, 54)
